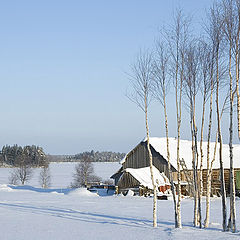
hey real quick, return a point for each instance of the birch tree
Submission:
(205, 69)
(84, 173)
(210, 164)
(177, 38)
(45, 177)
(141, 78)
(236, 39)
(231, 32)
(161, 87)
(214, 31)
(216, 25)
(191, 87)
(23, 171)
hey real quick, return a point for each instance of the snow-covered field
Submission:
(61, 173)
(58, 213)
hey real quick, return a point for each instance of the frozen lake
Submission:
(61, 173)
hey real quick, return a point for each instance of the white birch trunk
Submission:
(151, 169)
(237, 89)
(168, 159)
(201, 164)
(179, 111)
(232, 217)
(209, 179)
(223, 191)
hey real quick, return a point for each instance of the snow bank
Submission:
(5, 188)
(83, 192)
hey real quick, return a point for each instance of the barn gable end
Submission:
(138, 158)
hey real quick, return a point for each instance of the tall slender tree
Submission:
(231, 33)
(207, 69)
(215, 34)
(141, 79)
(216, 25)
(161, 87)
(191, 87)
(237, 57)
(205, 64)
(177, 38)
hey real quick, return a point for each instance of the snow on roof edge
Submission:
(159, 144)
(143, 176)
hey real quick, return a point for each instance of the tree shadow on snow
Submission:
(89, 217)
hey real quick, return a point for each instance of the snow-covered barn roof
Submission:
(160, 146)
(143, 176)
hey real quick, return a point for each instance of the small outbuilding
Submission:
(139, 180)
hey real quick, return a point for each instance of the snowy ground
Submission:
(32, 213)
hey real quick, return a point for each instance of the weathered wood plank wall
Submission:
(138, 158)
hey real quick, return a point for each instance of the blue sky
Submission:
(63, 71)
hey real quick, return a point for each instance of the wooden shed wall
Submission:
(215, 181)
(138, 158)
(127, 181)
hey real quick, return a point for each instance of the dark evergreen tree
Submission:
(15, 155)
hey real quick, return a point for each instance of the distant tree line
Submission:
(99, 156)
(15, 155)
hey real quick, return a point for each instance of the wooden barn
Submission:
(137, 158)
(139, 180)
